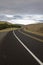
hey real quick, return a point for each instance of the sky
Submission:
(22, 19)
(21, 6)
(10, 8)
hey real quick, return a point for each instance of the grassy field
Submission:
(34, 28)
(8, 29)
(5, 26)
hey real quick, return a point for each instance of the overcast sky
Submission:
(21, 6)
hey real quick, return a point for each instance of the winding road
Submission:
(20, 48)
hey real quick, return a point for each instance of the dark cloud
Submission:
(21, 6)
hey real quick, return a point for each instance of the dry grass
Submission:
(8, 29)
(35, 28)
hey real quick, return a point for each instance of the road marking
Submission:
(40, 62)
(31, 36)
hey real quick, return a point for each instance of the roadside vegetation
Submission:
(5, 26)
(34, 28)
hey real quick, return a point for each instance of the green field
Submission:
(5, 26)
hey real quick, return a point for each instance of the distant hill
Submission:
(35, 27)
(2, 22)
(4, 25)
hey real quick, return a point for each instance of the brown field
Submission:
(8, 29)
(34, 28)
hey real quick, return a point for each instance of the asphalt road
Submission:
(12, 52)
(38, 36)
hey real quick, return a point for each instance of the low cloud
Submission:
(21, 19)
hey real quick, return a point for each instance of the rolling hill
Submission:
(36, 28)
(4, 25)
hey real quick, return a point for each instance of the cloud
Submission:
(22, 19)
(9, 16)
(21, 6)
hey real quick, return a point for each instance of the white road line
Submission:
(40, 62)
(33, 37)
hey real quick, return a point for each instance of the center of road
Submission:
(37, 59)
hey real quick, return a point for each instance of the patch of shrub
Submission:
(5, 25)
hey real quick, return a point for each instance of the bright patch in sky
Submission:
(22, 19)
(9, 16)
(25, 22)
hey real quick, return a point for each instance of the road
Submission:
(17, 48)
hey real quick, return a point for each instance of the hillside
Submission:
(2, 22)
(4, 25)
(35, 28)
